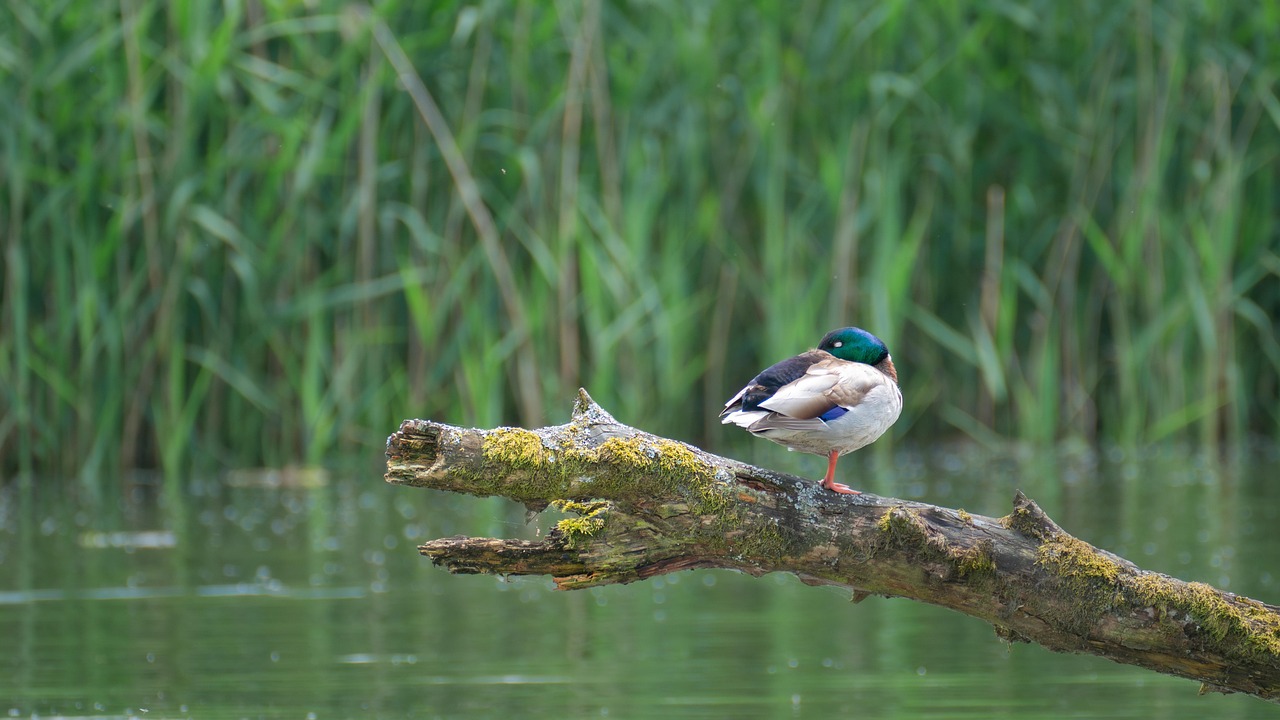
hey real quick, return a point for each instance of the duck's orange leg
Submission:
(829, 482)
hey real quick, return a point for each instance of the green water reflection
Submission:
(312, 602)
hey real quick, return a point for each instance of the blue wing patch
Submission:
(833, 414)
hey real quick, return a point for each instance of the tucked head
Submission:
(854, 345)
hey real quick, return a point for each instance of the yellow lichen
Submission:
(964, 516)
(515, 447)
(625, 452)
(677, 457)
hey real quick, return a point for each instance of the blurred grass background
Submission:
(262, 232)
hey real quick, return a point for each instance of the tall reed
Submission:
(263, 232)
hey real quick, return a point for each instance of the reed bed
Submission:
(263, 232)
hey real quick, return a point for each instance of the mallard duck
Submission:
(829, 401)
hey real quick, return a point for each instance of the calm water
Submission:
(245, 600)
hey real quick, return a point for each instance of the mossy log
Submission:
(642, 505)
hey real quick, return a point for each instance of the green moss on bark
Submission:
(1024, 522)
(590, 519)
(1248, 627)
(1076, 559)
(1242, 626)
(904, 529)
(977, 561)
(619, 467)
(663, 477)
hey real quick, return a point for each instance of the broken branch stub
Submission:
(641, 505)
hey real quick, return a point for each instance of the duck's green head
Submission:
(855, 345)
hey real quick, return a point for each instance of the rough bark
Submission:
(642, 505)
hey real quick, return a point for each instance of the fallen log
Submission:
(640, 505)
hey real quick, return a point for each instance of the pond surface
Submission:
(242, 598)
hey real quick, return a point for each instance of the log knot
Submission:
(1029, 520)
(586, 410)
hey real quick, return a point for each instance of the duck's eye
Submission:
(837, 344)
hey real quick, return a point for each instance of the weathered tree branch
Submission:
(643, 505)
